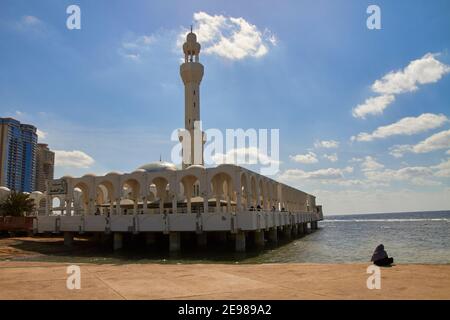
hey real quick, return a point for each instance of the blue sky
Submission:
(108, 96)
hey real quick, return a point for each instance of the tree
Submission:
(17, 205)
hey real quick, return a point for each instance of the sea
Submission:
(410, 237)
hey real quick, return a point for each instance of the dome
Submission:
(191, 37)
(5, 189)
(193, 166)
(116, 173)
(158, 166)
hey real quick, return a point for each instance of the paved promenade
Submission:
(41, 280)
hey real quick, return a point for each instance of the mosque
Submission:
(226, 202)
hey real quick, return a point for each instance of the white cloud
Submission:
(30, 20)
(240, 156)
(30, 24)
(41, 134)
(437, 141)
(75, 158)
(375, 175)
(406, 126)
(229, 37)
(419, 72)
(442, 169)
(333, 177)
(374, 105)
(419, 175)
(143, 41)
(398, 151)
(358, 201)
(423, 182)
(331, 157)
(403, 174)
(297, 175)
(308, 158)
(327, 144)
(370, 164)
(135, 46)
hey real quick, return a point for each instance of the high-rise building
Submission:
(45, 164)
(18, 144)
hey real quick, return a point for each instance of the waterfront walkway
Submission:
(42, 280)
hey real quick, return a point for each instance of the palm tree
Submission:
(17, 205)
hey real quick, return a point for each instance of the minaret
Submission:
(191, 72)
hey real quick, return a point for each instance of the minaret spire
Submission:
(191, 72)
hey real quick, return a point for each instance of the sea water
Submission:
(419, 237)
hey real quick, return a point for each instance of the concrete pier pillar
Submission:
(240, 241)
(259, 238)
(118, 241)
(97, 236)
(301, 228)
(104, 238)
(202, 240)
(222, 237)
(68, 239)
(150, 238)
(295, 230)
(174, 241)
(305, 228)
(287, 231)
(273, 235)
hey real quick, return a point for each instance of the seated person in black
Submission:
(380, 257)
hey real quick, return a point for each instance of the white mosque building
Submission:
(227, 201)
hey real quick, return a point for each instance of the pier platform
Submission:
(238, 224)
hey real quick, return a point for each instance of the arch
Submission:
(191, 186)
(270, 196)
(105, 195)
(254, 191)
(81, 198)
(108, 188)
(275, 196)
(130, 190)
(161, 186)
(57, 204)
(245, 191)
(222, 188)
(261, 201)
